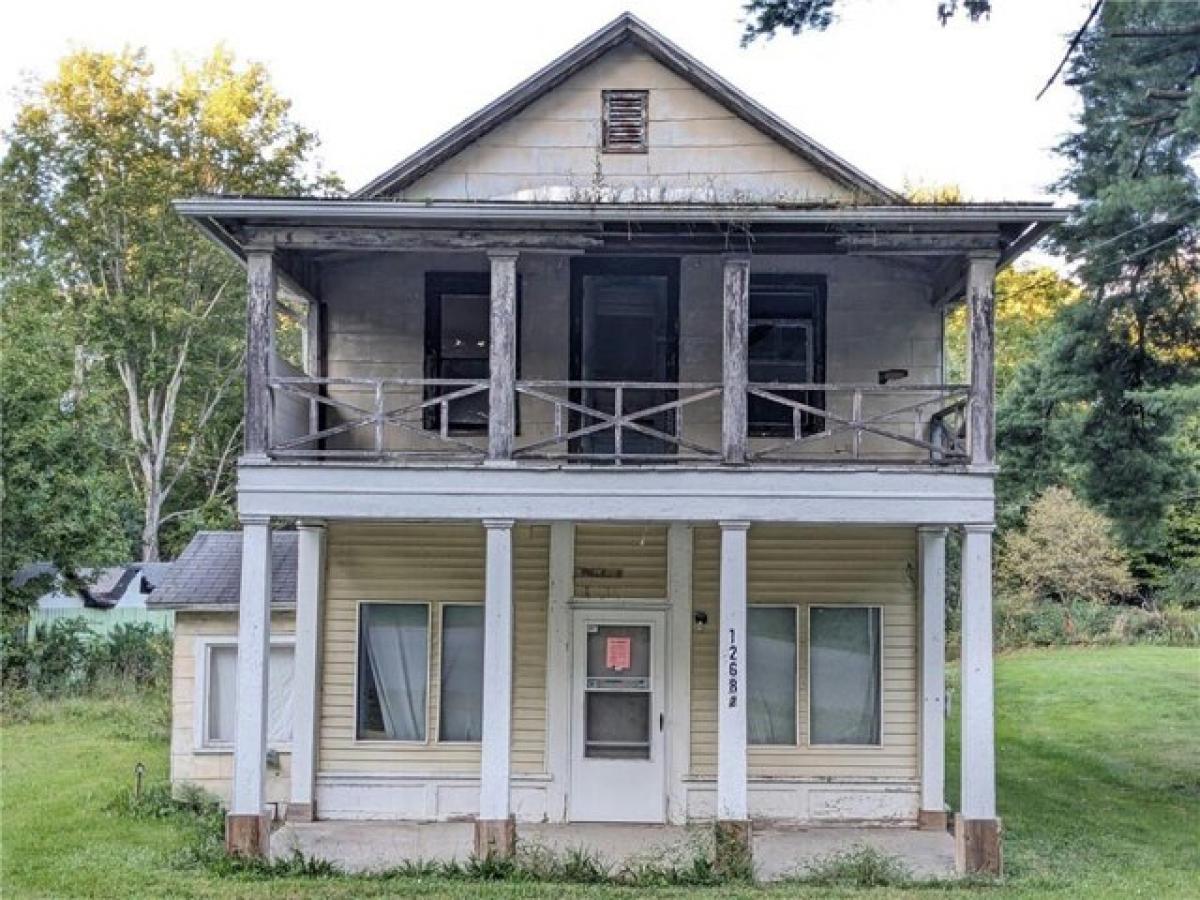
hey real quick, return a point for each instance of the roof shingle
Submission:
(208, 574)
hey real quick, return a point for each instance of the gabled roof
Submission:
(208, 574)
(625, 28)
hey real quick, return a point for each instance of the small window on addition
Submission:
(626, 121)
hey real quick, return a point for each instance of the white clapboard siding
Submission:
(434, 564)
(815, 566)
(211, 771)
(621, 561)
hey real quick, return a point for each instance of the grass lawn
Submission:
(1099, 771)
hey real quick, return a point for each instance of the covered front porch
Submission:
(674, 621)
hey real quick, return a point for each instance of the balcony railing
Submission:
(615, 422)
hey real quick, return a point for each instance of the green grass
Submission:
(1099, 780)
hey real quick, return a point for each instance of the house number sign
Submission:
(733, 668)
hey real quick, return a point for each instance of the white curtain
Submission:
(397, 643)
(771, 675)
(844, 675)
(222, 695)
(462, 674)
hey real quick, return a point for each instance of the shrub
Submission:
(860, 866)
(66, 657)
(1065, 552)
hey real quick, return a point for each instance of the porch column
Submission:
(976, 829)
(733, 817)
(981, 342)
(247, 826)
(495, 830)
(310, 582)
(260, 346)
(933, 678)
(735, 375)
(502, 356)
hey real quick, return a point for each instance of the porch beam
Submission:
(247, 827)
(735, 364)
(402, 239)
(932, 541)
(310, 582)
(731, 676)
(981, 343)
(263, 284)
(502, 359)
(932, 243)
(495, 831)
(977, 829)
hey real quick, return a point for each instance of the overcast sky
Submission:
(888, 89)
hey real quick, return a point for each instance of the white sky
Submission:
(888, 89)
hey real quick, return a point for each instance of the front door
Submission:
(617, 716)
(625, 327)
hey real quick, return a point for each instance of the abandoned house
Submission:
(622, 462)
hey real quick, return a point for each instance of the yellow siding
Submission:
(621, 561)
(211, 771)
(435, 564)
(815, 566)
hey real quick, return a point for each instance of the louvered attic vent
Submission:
(625, 115)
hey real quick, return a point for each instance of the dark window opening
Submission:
(625, 121)
(786, 346)
(458, 345)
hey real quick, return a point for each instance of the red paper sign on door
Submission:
(616, 653)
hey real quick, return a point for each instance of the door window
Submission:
(617, 693)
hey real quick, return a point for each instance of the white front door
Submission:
(617, 716)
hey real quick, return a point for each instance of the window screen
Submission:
(461, 706)
(844, 656)
(771, 675)
(221, 692)
(786, 346)
(625, 121)
(393, 666)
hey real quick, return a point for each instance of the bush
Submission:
(1065, 552)
(1018, 623)
(66, 657)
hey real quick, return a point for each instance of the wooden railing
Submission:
(615, 422)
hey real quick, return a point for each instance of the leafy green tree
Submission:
(763, 18)
(95, 156)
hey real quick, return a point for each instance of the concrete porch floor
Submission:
(779, 852)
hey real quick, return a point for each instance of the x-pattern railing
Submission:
(908, 423)
(408, 416)
(590, 420)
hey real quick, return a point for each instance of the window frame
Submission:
(795, 608)
(357, 739)
(809, 742)
(203, 647)
(462, 281)
(768, 283)
(438, 739)
(641, 93)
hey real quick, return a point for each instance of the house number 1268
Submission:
(733, 668)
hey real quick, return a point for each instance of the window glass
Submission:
(771, 675)
(222, 695)
(785, 346)
(393, 660)
(463, 346)
(844, 675)
(461, 706)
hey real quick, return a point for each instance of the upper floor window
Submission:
(457, 337)
(626, 117)
(787, 346)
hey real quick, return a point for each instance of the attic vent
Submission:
(625, 114)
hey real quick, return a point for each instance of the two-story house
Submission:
(622, 463)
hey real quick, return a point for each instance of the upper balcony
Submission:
(548, 334)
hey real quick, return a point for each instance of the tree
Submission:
(1065, 552)
(1136, 238)
(95, 157)
(763, 18)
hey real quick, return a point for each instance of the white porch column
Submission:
(977, 830)
(495, 832)
(502, 355)
(679, 678)
(262, 286)
(247, 826)
(733, 815)
(981, 350)
(735, 350)
(558, 665)
(933, 678)
(310, 582)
